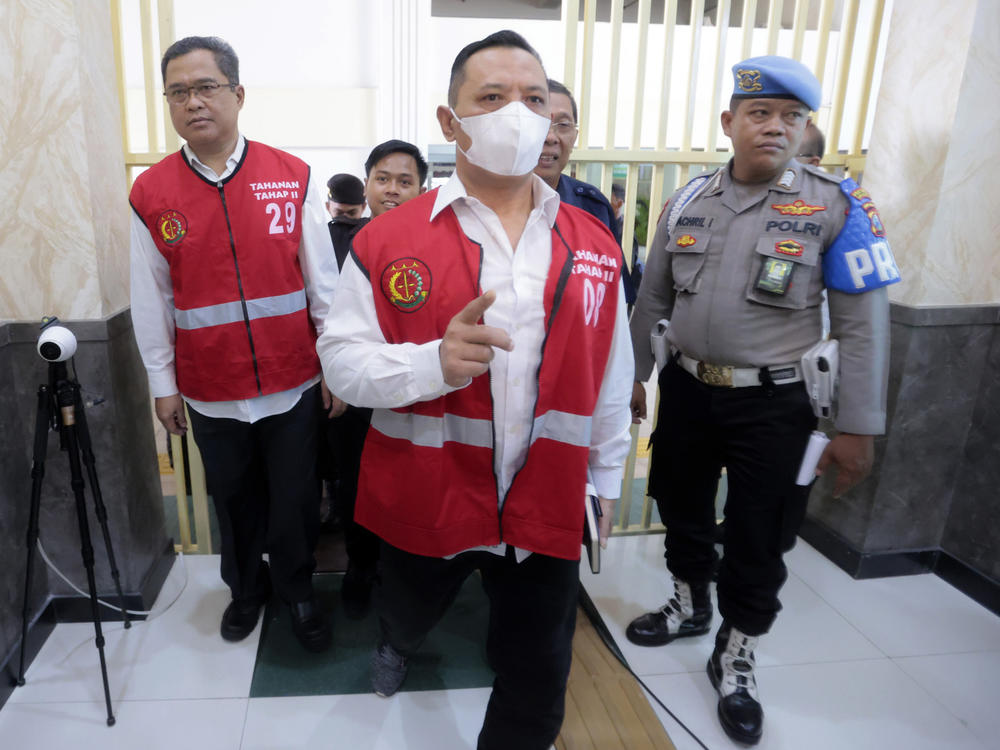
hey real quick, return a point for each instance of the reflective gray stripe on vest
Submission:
(573, 429)
(433, 432)
(232, 312)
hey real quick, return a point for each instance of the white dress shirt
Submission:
(362, 369)
(153, 301)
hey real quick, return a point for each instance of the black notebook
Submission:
(591, 536)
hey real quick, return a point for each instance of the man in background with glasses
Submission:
(555, 156)
(232, 276)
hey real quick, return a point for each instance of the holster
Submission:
(661, 345)
(820, 368)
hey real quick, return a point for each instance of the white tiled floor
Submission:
(884, 664)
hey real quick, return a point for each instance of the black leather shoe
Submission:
(240, 618)
(356, 590)
(688, 614)
(310, 626)
(731, 671)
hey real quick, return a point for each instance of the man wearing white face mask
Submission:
(493, 411)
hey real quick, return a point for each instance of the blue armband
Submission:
(859, 260)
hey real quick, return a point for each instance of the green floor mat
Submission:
(453, 656)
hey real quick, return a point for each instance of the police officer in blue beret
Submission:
(738, 266)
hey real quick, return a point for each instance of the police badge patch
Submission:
(796, 208)
(406, 283)
(868, 206)
(789, 247)
(749, 80)
(172, 226)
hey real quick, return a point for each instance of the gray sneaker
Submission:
(388, 670)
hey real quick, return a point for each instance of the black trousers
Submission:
(759, 434)
(262, 478)
(345, 440)
(530, 637)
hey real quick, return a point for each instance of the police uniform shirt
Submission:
(584, 195)
(712, 278)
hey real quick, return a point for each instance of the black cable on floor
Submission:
(590, 609)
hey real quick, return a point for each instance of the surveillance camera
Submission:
(56, 344)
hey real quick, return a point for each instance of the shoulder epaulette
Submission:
(684, 196)
(817, 172)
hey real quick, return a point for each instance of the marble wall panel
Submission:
(933, 160)
(105, 160)
(15, 492)
(938, 392)
(973, 531)
(910, 134)
(934, 483)
(63, 232)
(851, 514)
(966, 225)
(130, 443)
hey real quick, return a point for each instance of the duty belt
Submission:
(725, 376)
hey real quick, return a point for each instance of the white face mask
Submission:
(505, 142)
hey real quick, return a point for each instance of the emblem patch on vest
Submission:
(406, 283)
(796, 208)
(789, 247)
(749, 80)
(869, 208)
(686, 240)
(172, 226)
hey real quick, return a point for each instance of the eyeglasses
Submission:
(206, 90)
(563, 129)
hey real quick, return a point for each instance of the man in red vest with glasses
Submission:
(232, 274)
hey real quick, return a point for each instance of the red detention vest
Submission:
(427, 480)
(241, 316)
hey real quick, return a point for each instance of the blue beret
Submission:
(778, 77)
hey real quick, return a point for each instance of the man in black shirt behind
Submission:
(345, 202)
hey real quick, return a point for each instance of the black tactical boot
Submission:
(689, 613)
(731, 671)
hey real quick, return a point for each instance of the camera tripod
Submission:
(60, 407)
